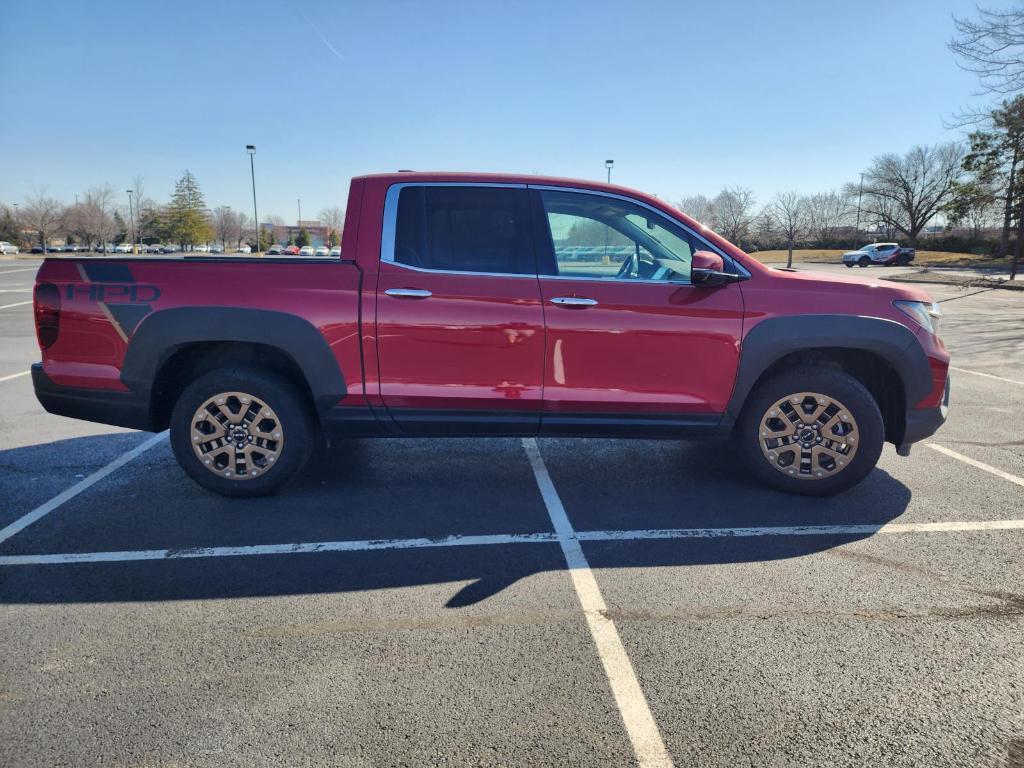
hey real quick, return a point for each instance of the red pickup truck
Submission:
(475, 304)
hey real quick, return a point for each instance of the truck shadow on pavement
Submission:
(397, 490)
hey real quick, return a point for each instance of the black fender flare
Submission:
(164, 332)
(774, 338)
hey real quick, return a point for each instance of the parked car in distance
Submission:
(169, 249)
(200, 249)
(216, 249)
(37, 249)
(336, 251)
(108, 248)
(484, 327)
(123, 248)
(275, 250)
(8, 248)
(154, 248)
(322, 250)
(882, 254)
(307, 250)
(291, 250)
(244, 249)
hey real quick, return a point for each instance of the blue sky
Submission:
(686, 97)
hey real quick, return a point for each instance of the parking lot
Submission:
(508, 602)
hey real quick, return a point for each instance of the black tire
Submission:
(848, 264)
(290, 409)
(832, 383)
(864, 262)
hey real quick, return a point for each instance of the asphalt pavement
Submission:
(409, 602)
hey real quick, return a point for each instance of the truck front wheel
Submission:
(812, 430)
(241, 431)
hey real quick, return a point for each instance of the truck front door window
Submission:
(602, 237)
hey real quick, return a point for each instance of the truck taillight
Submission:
(47, 311)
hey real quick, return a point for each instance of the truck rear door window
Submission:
(464, 229)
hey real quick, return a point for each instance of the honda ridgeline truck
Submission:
(473, 304)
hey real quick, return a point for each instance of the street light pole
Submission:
(131, 216)
(608, 164)
(856, 230)
(251, 149)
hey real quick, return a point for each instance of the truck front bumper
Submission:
(922, 423)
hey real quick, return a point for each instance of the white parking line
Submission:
(277, 549)
(975, 463)
(866, 529)
(649, 534)
(19, 304)
(44, 509)
(14, 376)
(12, 271)
(629, 696)
(986, 375)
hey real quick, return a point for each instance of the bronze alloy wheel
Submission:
(808, 436)
(237, 436)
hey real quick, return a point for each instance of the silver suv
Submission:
(885, 254)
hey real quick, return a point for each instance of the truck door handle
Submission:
(573, 301)
(409, 293)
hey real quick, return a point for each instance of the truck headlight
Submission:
(925, 313)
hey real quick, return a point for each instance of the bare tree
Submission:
(43, 215)
(789, 212)
(765, 231)
(734, 213)
(225, 223)
(334, 219)
(91, 221)
(904, 192)
(992, 47)
(698, 207)
(242, 228)
(826, 213)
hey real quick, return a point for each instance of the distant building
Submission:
(319, 234)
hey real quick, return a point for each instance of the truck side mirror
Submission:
(707, 261)
(707, 270)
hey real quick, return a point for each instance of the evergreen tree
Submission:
(995, 158)
(187, 217)
(303, 238)
(120, 229)
(9, 228)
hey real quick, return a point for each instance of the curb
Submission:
(931, 278)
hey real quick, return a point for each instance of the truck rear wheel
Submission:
(241, 431)
(812, 430)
